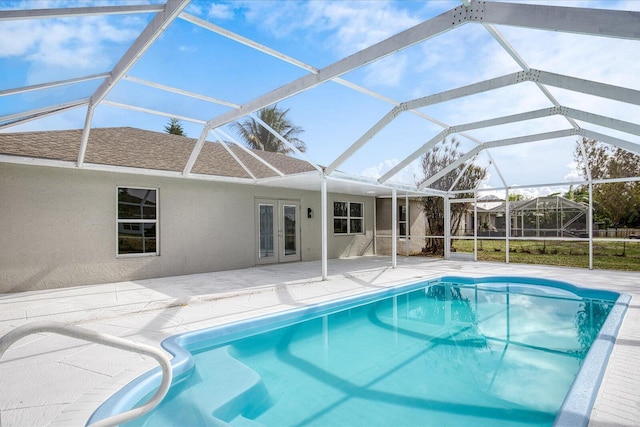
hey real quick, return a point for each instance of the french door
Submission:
(278, 228)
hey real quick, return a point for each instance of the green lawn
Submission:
(623, 255)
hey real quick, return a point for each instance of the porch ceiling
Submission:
(524, 96)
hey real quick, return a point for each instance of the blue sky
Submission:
(333, 116)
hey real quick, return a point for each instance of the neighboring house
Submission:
(411, 226)
(550, 216)
(130, 213)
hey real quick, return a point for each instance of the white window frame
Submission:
(143, 221)
(405, 221)
(348, 217)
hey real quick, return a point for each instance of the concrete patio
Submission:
(47, 379)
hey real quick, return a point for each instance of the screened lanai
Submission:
(375, 85)
(552, 216)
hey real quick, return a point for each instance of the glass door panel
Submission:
(266, 231)
(290, 227)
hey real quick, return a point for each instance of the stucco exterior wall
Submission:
(416, 226)
(58, 227)
(349, 245)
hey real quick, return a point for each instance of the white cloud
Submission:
(574, 174)
(342, 27)
(194, 9)
(387, 72)
(409, 175)
(71, 43)
(361, 24)
(220, 11)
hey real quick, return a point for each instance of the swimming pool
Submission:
(451, 351)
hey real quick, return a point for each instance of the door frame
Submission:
(278, 254)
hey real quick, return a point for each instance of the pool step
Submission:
(238, 389)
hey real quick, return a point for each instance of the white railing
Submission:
(111, 341)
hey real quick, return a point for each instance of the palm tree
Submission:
(258, 137)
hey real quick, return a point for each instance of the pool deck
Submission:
(48, 379)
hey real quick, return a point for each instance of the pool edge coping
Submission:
(574, 411)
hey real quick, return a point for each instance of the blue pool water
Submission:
(448, 352)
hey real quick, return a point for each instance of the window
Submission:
(137, 221)
(402, 221)
(348, 218)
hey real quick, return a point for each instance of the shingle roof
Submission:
(138, 148)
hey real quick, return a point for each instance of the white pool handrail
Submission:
(111, 341)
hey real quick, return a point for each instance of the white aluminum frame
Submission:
(593, 22)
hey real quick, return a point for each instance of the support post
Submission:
(507, 226)
(590, 224)
(447, 227)
(394, 228)
(324, 228)
(407, 226)
(475, 228)
(375, 224)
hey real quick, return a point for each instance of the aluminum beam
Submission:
(150, 34)
(150, 111)
(589, 87)
(585, 159)
(400, 41)
(493, 144)
(52, 84)
(475, 88)
(545, 112)
(565, 82)
(180, 91)
(27, 116)
(625, 145)
(285, 142)
(417, 153)
(464, 127)
(595, 22)
(293, 61)
(250, 152)
(221, 31)
(451, 166)
(68, 12)
(455, 182)
(197, 148)
(604, 121)
(511, 51)
(232, 154)
(245, 41)
(471, 89)
(381, 124)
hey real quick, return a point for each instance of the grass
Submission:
(623, 255)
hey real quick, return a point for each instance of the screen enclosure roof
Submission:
(374, 85)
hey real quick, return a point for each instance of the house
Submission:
(548, 216)
(131, 213)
